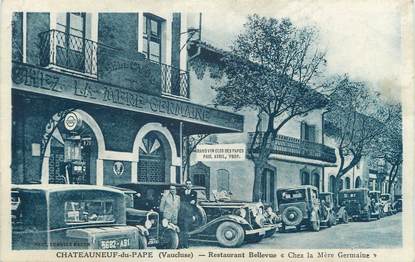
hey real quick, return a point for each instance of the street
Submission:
(383, 233)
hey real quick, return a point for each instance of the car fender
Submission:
(173, 227)
(142, 230)
(215, 222)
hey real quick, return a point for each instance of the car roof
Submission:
(61, 187)
(298, 187)
(374, 191)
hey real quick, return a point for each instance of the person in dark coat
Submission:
(187, 208)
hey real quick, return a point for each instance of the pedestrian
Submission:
(169, 205)
(187, 213)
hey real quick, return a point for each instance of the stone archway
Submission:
(155, 143)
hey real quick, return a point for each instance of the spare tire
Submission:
(292, 216)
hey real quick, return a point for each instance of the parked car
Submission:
(228, 222)
(387, 204)
(146, 197)
(330, 211)
(299, 206)
(397, 205)
(71, 217)
(223, 217)
(358, 204)
(376, 200)
(158, 234)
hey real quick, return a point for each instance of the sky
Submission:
(361, 38)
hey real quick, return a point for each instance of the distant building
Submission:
(298, 158)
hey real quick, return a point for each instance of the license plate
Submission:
(114, 243)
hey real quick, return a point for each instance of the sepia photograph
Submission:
(231, 131)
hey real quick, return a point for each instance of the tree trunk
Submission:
(257, 190)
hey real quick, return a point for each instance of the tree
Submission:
(355, 118)
(272, 69)
(389, 144)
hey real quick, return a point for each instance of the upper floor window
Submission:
(152, 37)
(73, 24)
(308, 132)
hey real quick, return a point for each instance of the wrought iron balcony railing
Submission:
(291, 146)
(78, 54)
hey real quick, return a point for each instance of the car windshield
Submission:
(292, 196)
(89, 211)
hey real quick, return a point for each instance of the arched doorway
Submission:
(358, 182)
(154, 158)
(332, 183)
(347, 182)
(71, 154)
(305, 178)
(315, 180)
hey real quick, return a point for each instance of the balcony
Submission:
(291, 146)
(124, 68)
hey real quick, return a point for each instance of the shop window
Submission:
(152, 37)
(223, 177)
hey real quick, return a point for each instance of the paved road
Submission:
(383, 233)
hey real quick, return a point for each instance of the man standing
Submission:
(186, 213)
(169, 205)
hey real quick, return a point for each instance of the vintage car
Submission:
(299, 206)
(386, 202)
(340, 212)
(230, 223)
(71, 217)
(159, 233)
(328, 212)
(375, 200)
(397, 205)
(223, 222)
(358, 204)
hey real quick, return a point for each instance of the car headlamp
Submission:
(260, 221)
(242, 212)
(164, 222)
(148, 224)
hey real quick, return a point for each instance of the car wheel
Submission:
(315, 225)
(142, 242)
(169, 240)
(230, 234)
(292, 216)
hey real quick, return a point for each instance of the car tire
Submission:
(230, 234)
(315, 225)
(169, 240)
(292, 216)
(345, 217)
(142, 241)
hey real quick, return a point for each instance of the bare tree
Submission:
(272, 69)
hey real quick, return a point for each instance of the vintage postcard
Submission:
(207, 130)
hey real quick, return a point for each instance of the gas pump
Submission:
(74, 165)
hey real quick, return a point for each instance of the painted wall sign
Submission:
(43, 81)
(118, 168)
(221, 152)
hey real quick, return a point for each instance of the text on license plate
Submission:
(114, 243)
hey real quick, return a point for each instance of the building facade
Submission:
(299, 155)
(104, 98)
